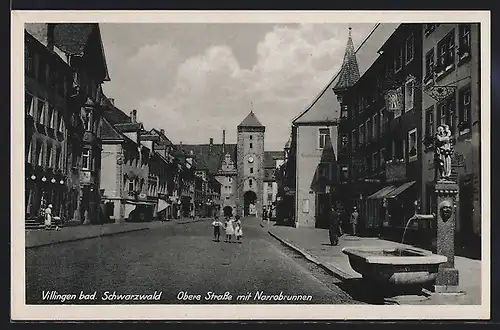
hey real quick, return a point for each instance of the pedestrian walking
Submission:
(48, 217)
(238, 230)
(229, 229)
(354, 220)
(334, 230)
(217, 224)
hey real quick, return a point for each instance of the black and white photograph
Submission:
(220, 165)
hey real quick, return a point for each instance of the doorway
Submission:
(228, 211)
(249, 207)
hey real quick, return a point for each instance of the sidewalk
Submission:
(314, 245)
(40, 237)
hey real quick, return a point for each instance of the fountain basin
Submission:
(400, 266)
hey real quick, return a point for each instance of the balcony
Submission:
(395, 170)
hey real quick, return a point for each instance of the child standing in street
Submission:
(238, 230)
(229, 229)
(217, 224)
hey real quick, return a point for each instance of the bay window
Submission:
(464, 109)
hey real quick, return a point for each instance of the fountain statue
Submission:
(411, 266)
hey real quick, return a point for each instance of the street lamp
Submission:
(44, 179)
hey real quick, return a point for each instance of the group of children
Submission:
(232, 227)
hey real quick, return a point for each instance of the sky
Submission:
(194, 80)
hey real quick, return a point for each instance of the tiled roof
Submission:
(209, 158)
(81, 38)
(349, 72)
(108, 132)
(270, 158)
(113, 114)
(250, 121)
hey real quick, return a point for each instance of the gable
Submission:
(325, 107)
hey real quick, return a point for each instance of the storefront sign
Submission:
(394, 100)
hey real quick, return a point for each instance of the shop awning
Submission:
(162, 205)
(382, 192)
(400, 189)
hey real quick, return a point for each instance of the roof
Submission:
(81, 39)
(349, 72)
(250, 121)
(210, 158)
(325, 107)
(270, 158)
(112, 113)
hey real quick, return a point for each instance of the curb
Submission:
(86, 237)
(340, 274)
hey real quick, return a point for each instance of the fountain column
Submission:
(447, 278)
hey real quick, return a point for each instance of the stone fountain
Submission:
(405, 269)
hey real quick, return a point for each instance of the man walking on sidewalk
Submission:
(334, 230)
(354, 220)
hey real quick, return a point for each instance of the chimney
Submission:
(50, 36)
(223, 140)
(112, 101)
(133, 115)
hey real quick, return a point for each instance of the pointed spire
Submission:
(349, 73)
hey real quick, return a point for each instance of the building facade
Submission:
(451, 61)
(273, 160)
(47, 78)
(250, 166)
(380, 135)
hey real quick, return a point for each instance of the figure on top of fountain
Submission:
(444, 151)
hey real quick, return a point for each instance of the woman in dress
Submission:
(48, 217)
(238, 229)
(229, 229)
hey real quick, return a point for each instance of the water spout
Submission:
(415, 217)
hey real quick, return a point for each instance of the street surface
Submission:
(176, 264)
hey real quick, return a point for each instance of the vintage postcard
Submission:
(250, 165)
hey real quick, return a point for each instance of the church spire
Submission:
(349, 73)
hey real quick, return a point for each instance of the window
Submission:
(323, 134)
(131, 185)
(251, 169)
(410, 48)
(270, 185)
(250, 137)
(429, 64)
(251, 145)
(343, 112)
(464, 109)
(227, 197)
(412, 145)
(250, 182)
(429, 28)
(230, 180)
(362, 134)
(382, 158)
(88, 121)
(86, 159)
(375, 161)
(354, 139)
(464, 40)
(369, 130)
(383, 119)
(375, 126)
(28, 104)
(49, 156)
(447, 111)
(41, 112)
(344, 173)
(51, 115)
(58, 159)
(39, 154)
(409, 94)
(324, 170)
(398, 61)
(28, 156)
(429, 122)
(446, 53)
(344, 142)
(398, 149)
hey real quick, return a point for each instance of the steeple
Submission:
(349, 73)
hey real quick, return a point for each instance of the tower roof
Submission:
(349, 73)
(250, 121)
